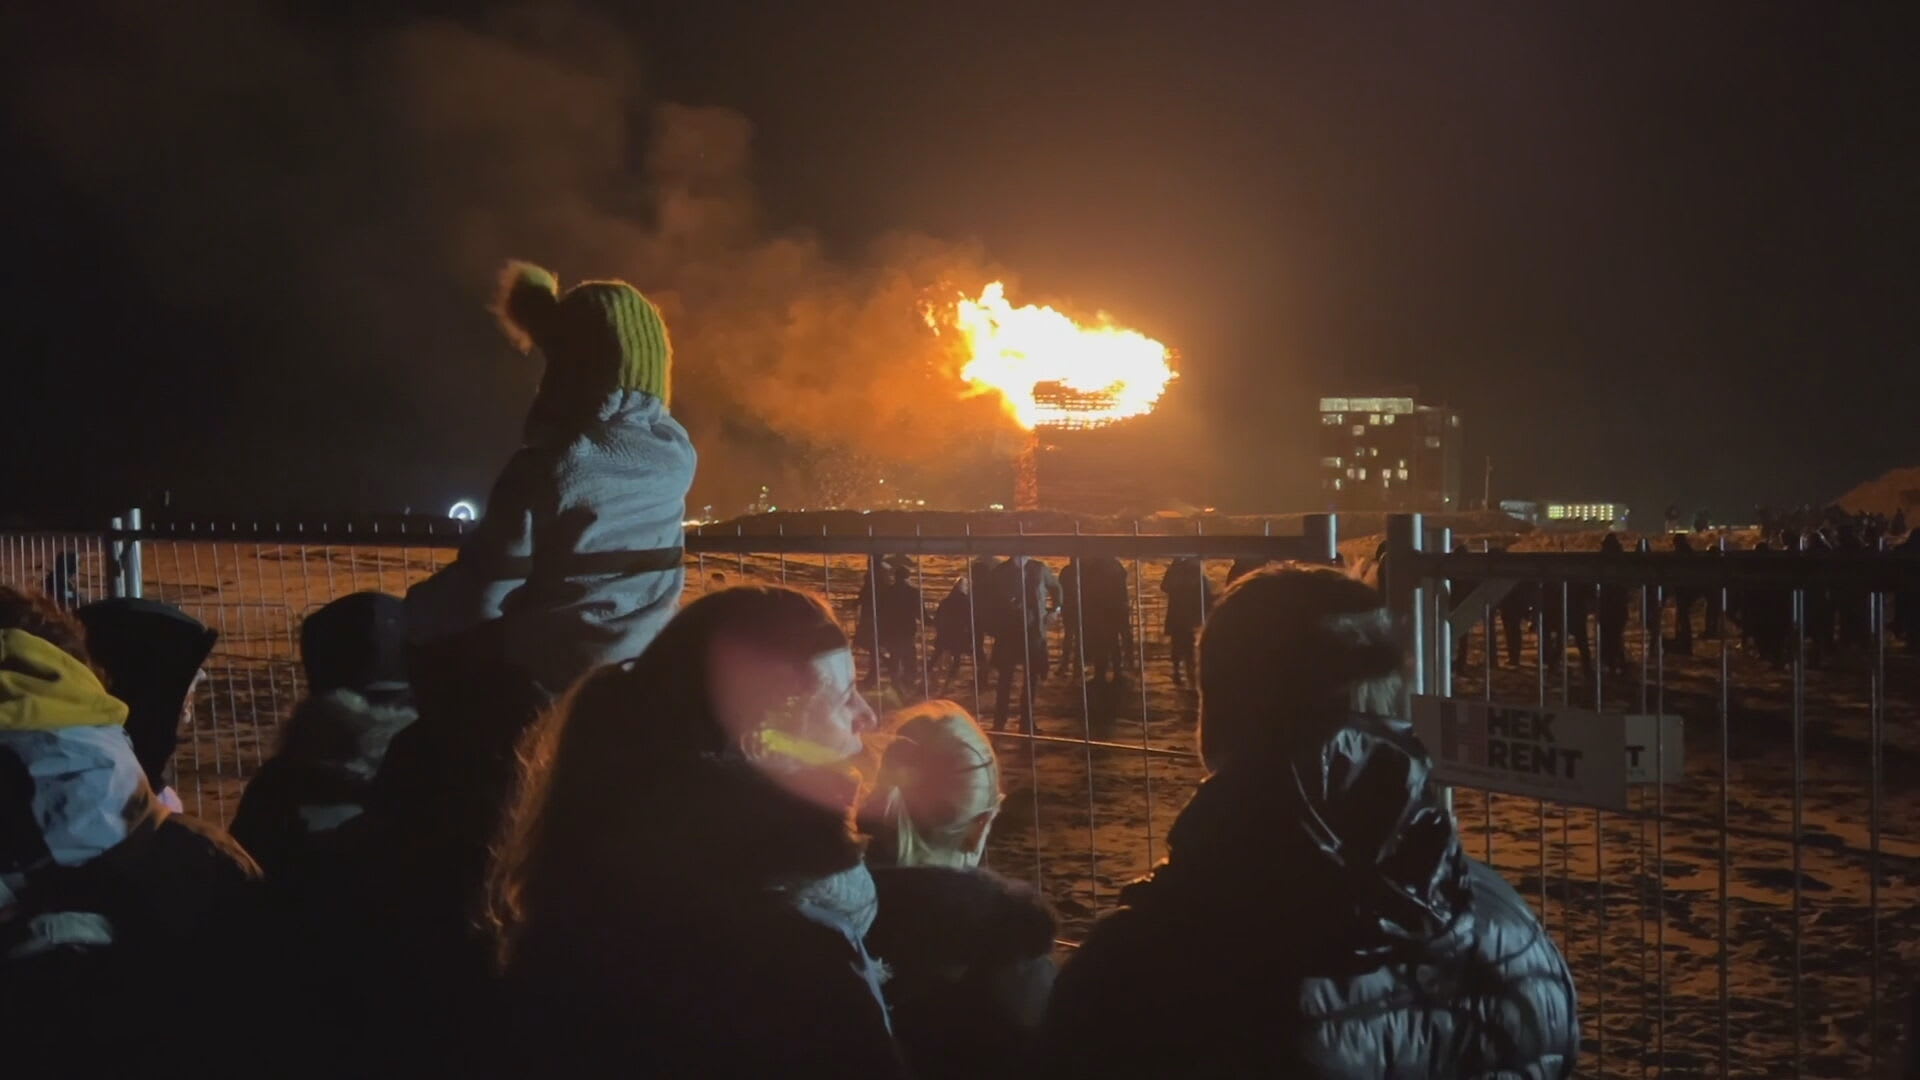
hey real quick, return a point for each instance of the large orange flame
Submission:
(1051, 371)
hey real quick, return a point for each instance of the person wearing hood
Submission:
(354, 651)
(152, 654)
(112, 909)
(1316, 915)
(680, 891)
(970, 954)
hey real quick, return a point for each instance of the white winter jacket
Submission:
(579, 552)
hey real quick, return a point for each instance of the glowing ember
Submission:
(1051, 371)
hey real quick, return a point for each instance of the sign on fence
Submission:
(1643, 756)
(1563, 755)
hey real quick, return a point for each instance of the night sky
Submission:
(1659, 252)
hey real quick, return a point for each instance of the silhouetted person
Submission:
(1380, 948)
(63, 581)
(1898, 527)
(577, 563)
(1765, 619)
(1613, 616)
(1514, 610)
(888, 625)
(152, 654)
(1684, 599)
(1906, 604)
(120, 921)
(1189, 598)
(955, 634)
(1850, 605)
(321, 775)
(1100, 632)
(1458, 590)
(1025, 593)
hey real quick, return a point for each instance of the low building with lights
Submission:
(1389, 453)
(1586, 514)
(1568, 513)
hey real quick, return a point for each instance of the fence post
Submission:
(130, 565)
(1440, 539)
(116, 558)
(1323, 537)
(1405, 597)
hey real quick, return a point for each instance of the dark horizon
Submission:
(1652, 254)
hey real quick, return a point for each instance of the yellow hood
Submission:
(42, 688)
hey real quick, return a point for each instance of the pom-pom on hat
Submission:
(597, 337)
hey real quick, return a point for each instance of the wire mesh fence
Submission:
(1751, 917)
(1749, 911)
(1094, 729)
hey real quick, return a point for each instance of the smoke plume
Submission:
(326, 203)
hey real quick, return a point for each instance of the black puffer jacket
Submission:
(1317, 917)
(971, 961)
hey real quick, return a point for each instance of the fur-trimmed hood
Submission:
(346, 731)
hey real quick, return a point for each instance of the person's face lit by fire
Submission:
(800, 724)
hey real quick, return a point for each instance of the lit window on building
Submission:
(1453, 421)
(1359, 429)
(1361, 474)
(1433, 442)
(1374, 419)
(1388, 419)
(1332, 419)
(1331, 462)
(1337, 483)
(1401, 473)
(1401, 464)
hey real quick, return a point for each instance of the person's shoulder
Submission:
(975, 915)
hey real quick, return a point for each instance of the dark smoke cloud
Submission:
(326, 203)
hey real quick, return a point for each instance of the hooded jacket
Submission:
(151, 653)
(106, 891)
(74, 788)
(579, 553)
(321, 776)
(1316, 916)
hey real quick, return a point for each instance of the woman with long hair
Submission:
(970, 952)
(679, 890)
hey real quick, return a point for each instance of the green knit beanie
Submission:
(599, 337)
